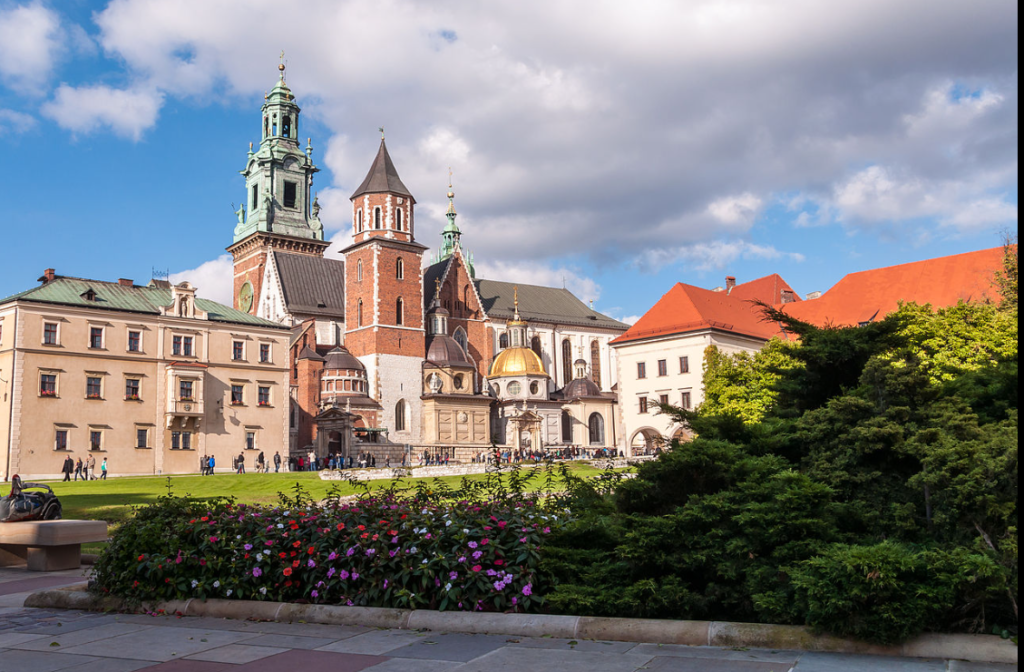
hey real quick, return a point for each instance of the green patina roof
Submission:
(135, 299)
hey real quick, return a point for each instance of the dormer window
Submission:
(88, 295)
(290, 189)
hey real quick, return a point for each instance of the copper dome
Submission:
(581, 387)
(340, 358)
(444, 350)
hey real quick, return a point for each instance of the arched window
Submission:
(376, 218)
(400, 413)
(399, 310)
(400, 268)
(359, 314)
(566, 427)
(359, 270)
(566, 362)
(503, 341)
(398, 219)
(359, 220)
(273, 126)
(535, 346)
(266, 127)
(461, 339)
(286, 126)
(595, 362)
(596, 426)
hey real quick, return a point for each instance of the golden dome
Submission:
(517, 362)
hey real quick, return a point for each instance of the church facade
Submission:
(429, 337)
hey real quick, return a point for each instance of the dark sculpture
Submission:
(21, 505)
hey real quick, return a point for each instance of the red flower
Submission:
(362, 527)
(499, 562)
(287, 571)
(341, 526)
(295, 563)
(141, 557)
(311, 550)
(297, 544)
(282, 555)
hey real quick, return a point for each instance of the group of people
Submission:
(83, 469)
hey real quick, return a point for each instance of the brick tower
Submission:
(278, 211)
(384, 296)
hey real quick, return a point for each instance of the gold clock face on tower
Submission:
(245, 297)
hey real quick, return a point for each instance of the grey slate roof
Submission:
(383, 177)
(431, 274)
(312, 285)
(541, 304)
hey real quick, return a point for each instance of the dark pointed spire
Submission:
(382, 178)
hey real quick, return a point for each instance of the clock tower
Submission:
(279, 210)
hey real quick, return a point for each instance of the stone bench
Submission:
(48, 545)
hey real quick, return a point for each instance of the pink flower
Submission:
(476, 568)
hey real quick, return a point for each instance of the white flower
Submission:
(263, 591)
(448, 586)
(229, 592)
(412, 550)
(194, 583)
(238, 536)
(216, 584)
(447, 523)
(280, 526)
(424, 561)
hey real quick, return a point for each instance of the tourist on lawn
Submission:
(90, 469)
(67, 468)
(103, 470)
(210, 465)
(277, 462)
(261, 463)
(311, 460)
(241, 463)
(78, 470)
(204, 464)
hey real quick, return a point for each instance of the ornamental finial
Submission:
(381, 129)
(516, 301)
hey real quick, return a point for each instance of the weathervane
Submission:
(381, 129)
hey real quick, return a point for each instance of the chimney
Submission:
(730, 282)
(718, 289)
(48, 276)
(787, 296)
(125, 282)
(813, 295)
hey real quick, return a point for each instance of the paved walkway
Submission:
(44, 640)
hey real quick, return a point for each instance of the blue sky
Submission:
(621, 149)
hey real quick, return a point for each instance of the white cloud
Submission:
(714, 255)
(534, 273)
(943, 111)
(127, 112)
(30, 39)
(213, 279)
(13, 123)
(736, 211)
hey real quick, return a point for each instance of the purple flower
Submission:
(453, 575)
(350, 551)
(528, 589)
(498, 585)
(311, 563)
(332, 556)
(392, 553)
(257, 572)
(355, 576)
(472, 544)
(330, 572)
(477, 554)
(248, 547)
(343, 575)
(462, 559)
(370, 551)
(315, 594)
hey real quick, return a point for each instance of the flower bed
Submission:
(388, 552)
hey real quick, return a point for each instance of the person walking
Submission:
(78, 470)
(241, 463)
(103, 470)
(67, 468)
(277, 461)
(203, 462)
(210, 465)
(90, 468)
(311, 460)
(261, 461)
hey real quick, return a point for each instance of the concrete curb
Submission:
(972, 648)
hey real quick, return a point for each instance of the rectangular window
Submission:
(264, 353)
(264, 396)
(175, 440)
(94, 387)
(250, 440)
(131, 389)
(641, 369)
(48, 385)
(684, 365)
(643, 404)
(95, 439)
(176, 345)
(186, 346)
(186, 440)
(289, 194)
(236, 394)
(686, 403)
(663, 398)
(662, 367)
(96, 337)
(142, 438)
(134, 341)
(255, 198)
(61, 440)
(49, 333)
(237, 350)
(185, 390)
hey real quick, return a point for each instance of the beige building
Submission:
(149, 377)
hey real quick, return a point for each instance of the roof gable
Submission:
(540, 304)
(768, 289)
(312, 285)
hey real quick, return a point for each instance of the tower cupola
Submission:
(382, 206)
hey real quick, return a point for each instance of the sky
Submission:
(614, 148)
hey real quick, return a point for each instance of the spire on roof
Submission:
(383, 177)
(451, 234)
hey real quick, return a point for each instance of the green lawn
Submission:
(111, 500)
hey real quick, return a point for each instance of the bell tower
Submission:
(384, 293)
(279, 210)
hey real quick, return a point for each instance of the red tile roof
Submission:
(686, 308)
(871, 295)
(768, 289)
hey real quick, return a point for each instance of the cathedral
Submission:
(402, 359)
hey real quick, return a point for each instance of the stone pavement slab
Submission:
(742, 655)
(67, 640)
(191, 666)
(289, 641)
(312, 661)
(37, 661)
(836, 662)
(518, 659)
(111, 665)
(376, 642)
(9, 639)
(961, 666)
(677, 664)
(412, 665)
(159, 644)
(237, 653)
(453, 647)
(571, 644)
(58, 626)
